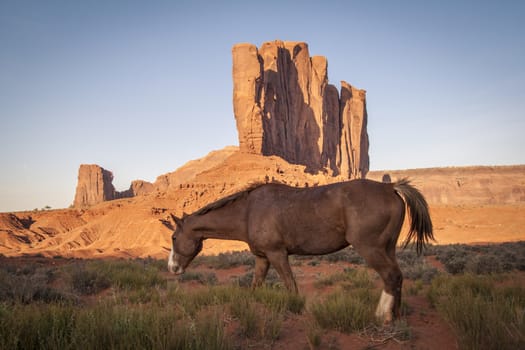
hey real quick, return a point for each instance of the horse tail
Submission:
(421, 224)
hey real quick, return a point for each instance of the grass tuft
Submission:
(484, 315)
(346, 310)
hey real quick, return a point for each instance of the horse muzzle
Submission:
(177, 270)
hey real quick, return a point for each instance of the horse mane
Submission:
(229, 199)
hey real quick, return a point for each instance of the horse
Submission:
(277, 220)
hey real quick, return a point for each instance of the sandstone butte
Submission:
(284, 106)
(95, 185)
(294, 128)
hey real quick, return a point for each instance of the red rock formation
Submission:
(137, 188)
(95, 185)
(354, 138)
(140, 187)
(284, 106)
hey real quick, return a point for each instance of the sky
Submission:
(142, 87)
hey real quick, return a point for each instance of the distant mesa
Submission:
(284, 106)
(95, 185)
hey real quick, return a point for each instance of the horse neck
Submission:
(222, 223)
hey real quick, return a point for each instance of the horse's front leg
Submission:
(279, 261)
(261, 270)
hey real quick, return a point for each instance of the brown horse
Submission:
(277, 220)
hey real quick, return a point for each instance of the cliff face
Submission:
(284, 106)
(95, 185)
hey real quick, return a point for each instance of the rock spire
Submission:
(284, 106)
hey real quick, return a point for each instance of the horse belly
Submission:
(313, 237)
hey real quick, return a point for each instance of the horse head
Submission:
(185, 247)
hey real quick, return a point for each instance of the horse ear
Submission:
(177, 221)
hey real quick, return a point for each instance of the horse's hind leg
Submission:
(279, 261)
(386, 266)
(261, 270)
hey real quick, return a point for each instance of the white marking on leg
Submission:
(384, 308)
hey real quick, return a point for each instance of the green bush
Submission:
(204, 278)
(88, 281)
(122, 274)
(272, 279)
(107, 326)
(256, 321)
(278, 299)
(226, 260)
(29, 286)
(484, 264)
(482, 259)
(348, 255)
(350, 278)
(416, 268)
(346, 310)
(351, 307)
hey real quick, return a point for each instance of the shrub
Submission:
(226, 260)
(203, 278)
(455, 265)
(482, 259)
(107, 326)
(352, 278)
(246, 313)
(118, 273)
(483, 315)
(88, 281)
(346, 311)
(313, 333)
(272, 279)
(331, 279)
(348, 255)
(36, 326)
(349, 308)
(453, 258)
(418, 270)
(30, 286)
(484, 264)
(279, 299)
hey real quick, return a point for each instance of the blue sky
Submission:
(141, 87)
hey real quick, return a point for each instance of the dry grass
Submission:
(484, 313)
(131, 304)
